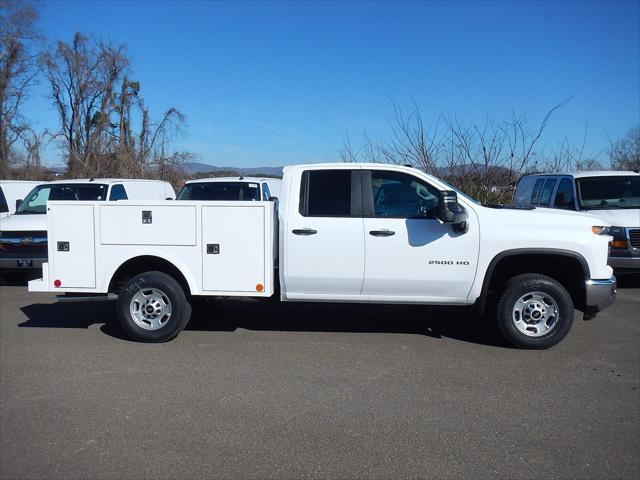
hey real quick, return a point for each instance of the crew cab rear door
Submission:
(324, 236)
(410, 254)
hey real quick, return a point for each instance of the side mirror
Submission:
(18, 203)
(273, 199)
(450, 211)
(168, 198)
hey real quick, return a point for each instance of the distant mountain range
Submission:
(197, 167)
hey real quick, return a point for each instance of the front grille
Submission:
(23, 243)
(18, 234)
(634, 237)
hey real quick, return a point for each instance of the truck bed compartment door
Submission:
(233, 256)
(72, 246)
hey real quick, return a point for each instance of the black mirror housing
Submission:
(450, 211)
(18, 203)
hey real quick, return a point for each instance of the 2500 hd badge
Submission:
(448, 262)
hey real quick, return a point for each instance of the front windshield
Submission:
(36, 201)
(605, 193)
(220, 191)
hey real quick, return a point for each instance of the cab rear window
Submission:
(241, 191)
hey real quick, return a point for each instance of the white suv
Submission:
(613, 196)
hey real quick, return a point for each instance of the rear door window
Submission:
(118, 193)
(564, 195)
(327, 193)
(537, 188)
(266, 194)
(547, 190)
(4, 208)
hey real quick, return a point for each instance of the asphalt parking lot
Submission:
(254, 390)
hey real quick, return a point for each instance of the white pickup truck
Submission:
(339, 233)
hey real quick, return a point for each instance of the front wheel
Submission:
(153, 307)
(534, 311)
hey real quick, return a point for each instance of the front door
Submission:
(410, 253)
(324, 236)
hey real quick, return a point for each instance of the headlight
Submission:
(601, 230)
(619, 238)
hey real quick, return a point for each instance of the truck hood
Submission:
(619, 217)
(29, 222)
(542, 217)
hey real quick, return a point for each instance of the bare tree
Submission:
(625, 152)
(485, 160)
(83, 77)
(17, 72)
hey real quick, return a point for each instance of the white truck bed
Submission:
(201, 239)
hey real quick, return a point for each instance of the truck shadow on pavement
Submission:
(461, 324)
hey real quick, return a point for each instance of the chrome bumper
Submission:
(600, 294)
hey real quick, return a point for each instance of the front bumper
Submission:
(627, 263)
(600, 294)
(21, 262)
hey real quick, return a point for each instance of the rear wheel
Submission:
(153, 307)
(534, 311)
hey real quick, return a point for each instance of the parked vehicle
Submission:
(23, 236)
(11, 194)
(613, 196)
(230, 188)
(340, 233)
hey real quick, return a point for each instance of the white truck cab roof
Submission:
(591, 173)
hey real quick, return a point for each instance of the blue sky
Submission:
(274, 83)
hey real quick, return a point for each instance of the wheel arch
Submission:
(565, 266)
(146, 263)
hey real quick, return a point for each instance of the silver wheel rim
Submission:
(150, 308)
(535, 314)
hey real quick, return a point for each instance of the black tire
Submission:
(520, 287)
(173, 295)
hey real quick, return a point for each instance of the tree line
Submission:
(485, 161)
(104, 126)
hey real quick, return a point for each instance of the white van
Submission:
(614, 196)
(11, 194)
(231, 188)
(23, 236)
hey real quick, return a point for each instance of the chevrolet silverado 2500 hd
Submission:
(339, 233)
